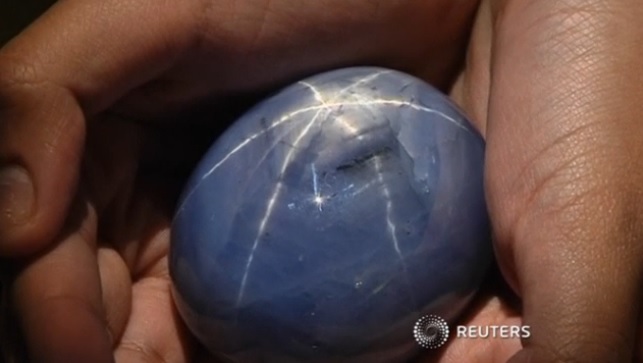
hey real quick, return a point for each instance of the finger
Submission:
(116, 288)
(471, 89)
(495, 305)
(490, 311)
(72, 63)
(155, 332)
(563, 133)
(58, 300)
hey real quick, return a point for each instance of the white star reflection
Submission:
(317, 198)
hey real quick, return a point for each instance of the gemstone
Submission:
(328, 219)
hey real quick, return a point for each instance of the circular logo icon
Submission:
(431, 331)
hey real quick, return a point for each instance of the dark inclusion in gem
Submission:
(330, 218)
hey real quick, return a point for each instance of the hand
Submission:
(85, 96)
(546, 84)
(550, 83)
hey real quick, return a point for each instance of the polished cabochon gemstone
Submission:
(330, 218)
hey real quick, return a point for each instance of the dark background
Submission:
(17, 14)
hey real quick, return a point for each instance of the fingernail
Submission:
(16, 195)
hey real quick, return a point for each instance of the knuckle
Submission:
(20, 80)
(16, 72)
(140, 352)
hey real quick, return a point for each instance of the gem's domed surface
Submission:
(328, 219)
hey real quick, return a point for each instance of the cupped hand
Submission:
(86, 209)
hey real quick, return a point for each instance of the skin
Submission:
(91, 93)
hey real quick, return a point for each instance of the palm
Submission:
(490, 309)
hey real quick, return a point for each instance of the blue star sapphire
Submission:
(328, 219)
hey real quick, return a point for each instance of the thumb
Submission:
(61, 70)
(564, 139)
(41, 138)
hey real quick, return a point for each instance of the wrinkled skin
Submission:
(92, 108)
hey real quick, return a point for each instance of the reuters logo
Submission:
(431, 332)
